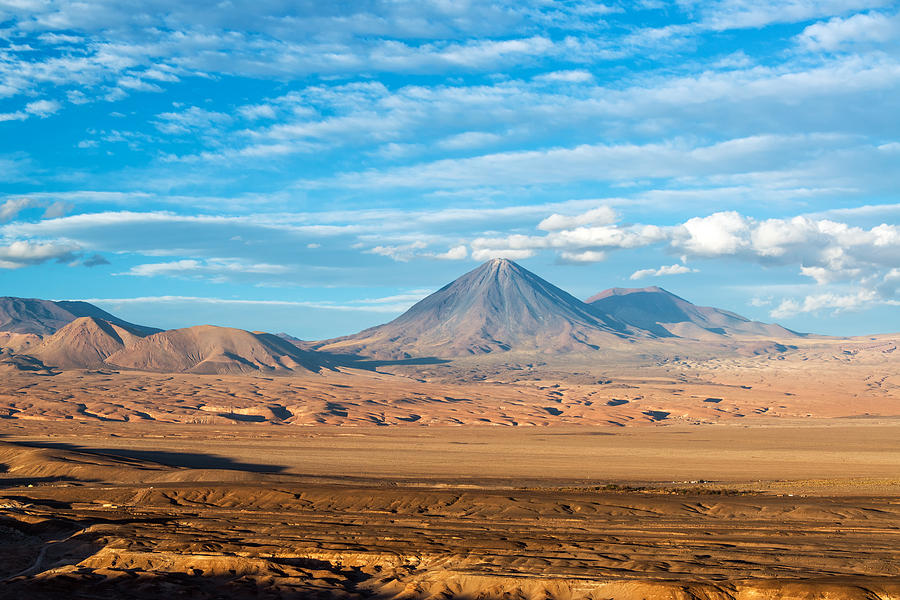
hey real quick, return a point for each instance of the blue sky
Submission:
(316, 167)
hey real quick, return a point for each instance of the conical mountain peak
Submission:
(497, 306)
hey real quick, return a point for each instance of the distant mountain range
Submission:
(664, 314)
(88, 342)
(497, 307)
(44, 317)
(502, 306)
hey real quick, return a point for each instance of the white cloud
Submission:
(257, 111)
(13, 116)
(602, 215)
(763, 160)
(57, 209)
(11, 208)
(675, 269)
(192, 119)
(833, 303)
(213, 268)
(836, 32)
(585, 256)
(455, 253)
(43, 108)
(482, 254)
(742, 14)
(827, 251)
(399, 253)
(468, 139)
(390, 304)
(718, 234)
(572, 76)
(24, 253)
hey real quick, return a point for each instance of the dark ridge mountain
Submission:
(496, 307)
(45, 317)
(207, 349)
(666, 315)
(84, 343)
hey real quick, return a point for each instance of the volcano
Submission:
(498, 306)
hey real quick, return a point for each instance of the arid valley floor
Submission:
(760, 476)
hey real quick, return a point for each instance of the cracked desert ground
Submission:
(749, 477)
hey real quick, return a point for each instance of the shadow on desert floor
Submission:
(190, 460)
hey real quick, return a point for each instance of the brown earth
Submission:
(116, 510)
(774, 475)
(815, 379)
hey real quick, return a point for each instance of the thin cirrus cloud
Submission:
(387, 304)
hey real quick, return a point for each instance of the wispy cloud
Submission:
(675, 269)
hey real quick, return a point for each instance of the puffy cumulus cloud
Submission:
(576, 242)
(22, 253)
(675, 269)
(716, 235)
(827, 251)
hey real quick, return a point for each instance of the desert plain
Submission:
(771, 475)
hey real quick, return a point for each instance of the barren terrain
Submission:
(118, 510)
(817, 378)
(765, 475)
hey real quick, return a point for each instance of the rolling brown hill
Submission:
(666, 315)
(215, 350)
(498, 306)
(84, 343)
(89, 343)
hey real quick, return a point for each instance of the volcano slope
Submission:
(498, 306)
